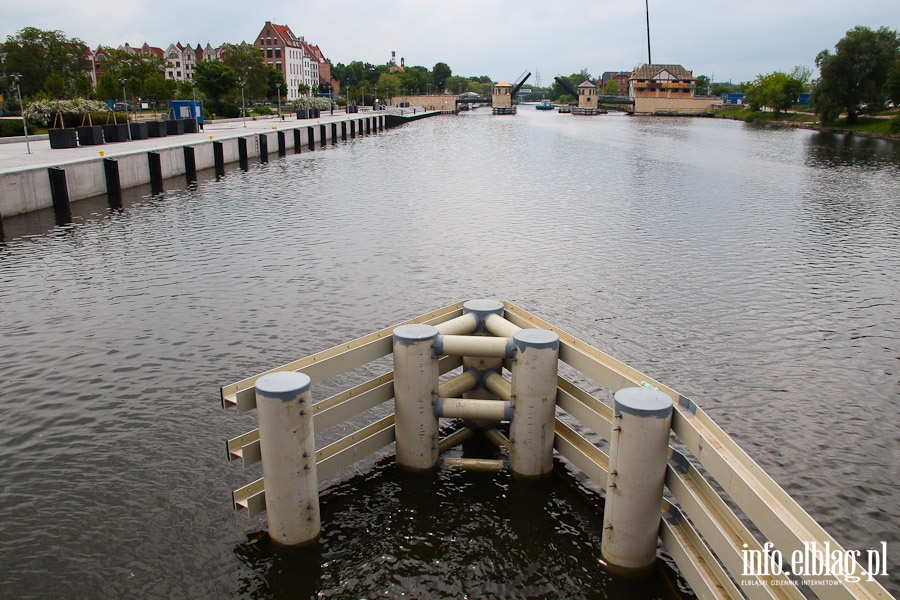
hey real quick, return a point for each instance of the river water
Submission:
(755, 270)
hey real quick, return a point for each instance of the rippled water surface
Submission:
(756, 271)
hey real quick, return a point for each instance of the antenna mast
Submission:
(647, 8)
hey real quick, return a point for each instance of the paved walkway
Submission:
(14, 156)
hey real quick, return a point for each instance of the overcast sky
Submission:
(732, 41)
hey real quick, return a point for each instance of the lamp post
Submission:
(122, 80)
(243, 105)
(15, 78)
(278, 87)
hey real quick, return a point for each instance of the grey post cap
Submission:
(283, 385)
(411, 334)
(535, 338)
(643, 402)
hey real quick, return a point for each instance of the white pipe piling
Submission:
(287, 444)
(531, 432)
(416, 387)
(637, 471)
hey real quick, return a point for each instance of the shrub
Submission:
(12, 128)
(306, 102)
(72, 112)
(895, 125)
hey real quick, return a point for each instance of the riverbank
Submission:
(873, 127)
(34, 176)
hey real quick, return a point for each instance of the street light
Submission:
(125, 104)
(243, 105)
(278, 87)
(15, 78)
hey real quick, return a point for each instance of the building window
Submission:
(268, 53)
(277, 52)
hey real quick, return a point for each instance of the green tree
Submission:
(778, 91)
(55, 86)
(108, 87)
(459, 85)
(439, 75)
(36, 54)
(854, 76)
(704, 85)
(273, 78)
(84, 87)
(216, 80)
(414, 79)
(388, 86)
(611, 88)
(249, 68)
(892, 85)
(132, 66)
(157, 88)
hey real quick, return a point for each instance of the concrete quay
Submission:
(54, 177)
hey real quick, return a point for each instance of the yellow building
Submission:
(666, 90)
(587, 95)
(502, 100)
(502, 95)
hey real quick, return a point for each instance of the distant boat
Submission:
(544, 105)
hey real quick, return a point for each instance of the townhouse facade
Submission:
(297, 60)
(181, 60)
(303, 65)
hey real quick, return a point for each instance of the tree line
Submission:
(52, 66)
(860, 75)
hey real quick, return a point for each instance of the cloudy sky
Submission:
(732, 41)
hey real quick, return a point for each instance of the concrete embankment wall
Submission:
(56, 186)
(674, 106)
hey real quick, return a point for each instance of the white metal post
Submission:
(288, 448)
(637, 472)
(534, 402)
(416, 374)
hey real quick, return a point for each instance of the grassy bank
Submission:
(885, 125)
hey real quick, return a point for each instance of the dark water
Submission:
(756, 271)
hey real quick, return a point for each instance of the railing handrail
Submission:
(710, 529)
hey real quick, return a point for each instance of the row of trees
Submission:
(861, 75)
(52, 66)
(363, 80)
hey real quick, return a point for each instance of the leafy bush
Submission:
(73, 112)
(895, 125)
(12, 128)
(306, 102)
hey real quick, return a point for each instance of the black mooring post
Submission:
(59, 191)
(282, 144)
(311, 137)
(113, 183)
(242, 152)
(190, 164)
(344, 130)
(298, 142)
(219, 158)
(324, 133)
(263, 147)
(154, 162)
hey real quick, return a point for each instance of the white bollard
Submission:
(288, 446)
(416, 375)
(637, 471)
(534, 402)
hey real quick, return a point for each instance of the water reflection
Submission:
(718, 258)
(448, 535)
(828, 150)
